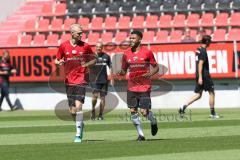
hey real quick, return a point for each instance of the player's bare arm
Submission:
(200, 67)
(152, 72)
(90, 63)
(59, 62)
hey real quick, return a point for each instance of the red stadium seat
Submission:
(120, 37)
(193, 20)
(165, 21)
(30, 25)
(107, 37)
(43, 25)
(234, 19)
(179, 20)
(148, 37)
(110, 22)
(138, 22)
(56, 24)
(60, 9)
(97, 23)
(193, 33)
(219, 35)
(152, 21)
(84, 21)
(221, 19)
(12, 40)
(207, 20)
(233, 34)
(26, 40)
(84, 37)
(65, 37)
(47, 9)
(124, 22)
(175, 36)
(93, 38)
(52, 40)
(39, 40)
(161, 37)
(68, 22)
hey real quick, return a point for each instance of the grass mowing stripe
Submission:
(93, 150)
(117, 126)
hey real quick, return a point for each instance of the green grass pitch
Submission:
(40, 135)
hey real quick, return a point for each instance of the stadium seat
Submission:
(86, 9)
(120, 37)
(193, 33)
(84, 21)
(93, 38)
(127, 7)
(165, 21)
(114, 8)
(168, 5)
(196, 5)
(148, 37)
(141, 7)
(39, 40)
(162, 36)
(47, 9)
(221, 19)
(65, 37)
(219, 35)
(234, 19)
(30, 25)
(52, 40)
(110, 22)
(138, 22)
(233, 34)
(13, 40)
(60, 9)
(193, 20)
(179, 20)
(107, 37)
(97, 23)
(224, 5)
(56, 24)
(207, 20)
(123, 22)
(100, 8)
(154, 6)
(175, 36)
(236, 5)
(182, 5)
(73, 8)
(151, 21)
(26, 40)
(43, 25)
(68, 22)
(84, 37)
(210, 5)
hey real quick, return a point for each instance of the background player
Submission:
(76, 56)
(203, 78)
(99, 79)
(138, 60)
(5, 70)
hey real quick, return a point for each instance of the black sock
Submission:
(184, 107)
(212, 111)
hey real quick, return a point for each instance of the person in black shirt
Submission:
(5, 70)
(203, 78)
(99, 79)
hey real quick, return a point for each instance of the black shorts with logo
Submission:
(206, 86)
(139, 99)
(75, 92)
(101, 88)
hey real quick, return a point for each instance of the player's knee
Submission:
(95, 96)
(73, 110)
(133, 111)
(144, 112)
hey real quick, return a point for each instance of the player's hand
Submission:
(200, 81)
(59, 62)
(13, 71)
(147, 75)
(121, 73)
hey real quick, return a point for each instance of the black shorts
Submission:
(138, 100)
(206, 86)
(101, 88)
(75, 92)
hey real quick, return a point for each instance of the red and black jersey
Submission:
(74, 56)
(138, 63)
(5, 65)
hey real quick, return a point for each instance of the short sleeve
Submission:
(60, 53)
(201, 55)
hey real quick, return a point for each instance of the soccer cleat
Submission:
(141, 138)
(93, 118)
(100, 118)
(13, 108)
(214, 116)
(78, 139)
(181, 112)
(154, 129)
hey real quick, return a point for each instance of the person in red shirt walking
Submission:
(76, 56)
(137, 60)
